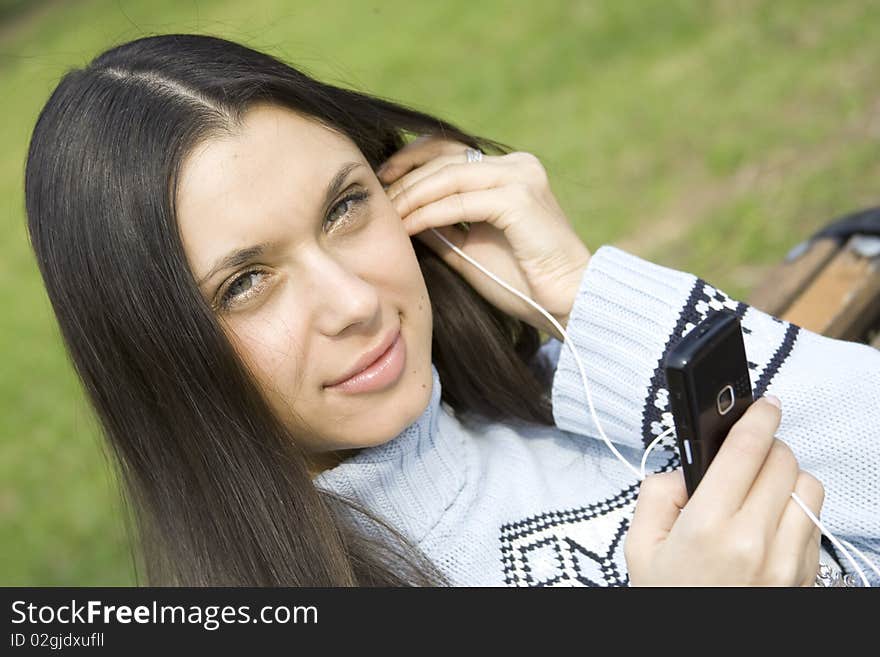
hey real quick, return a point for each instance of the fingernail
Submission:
(382, 169)
(774, 400)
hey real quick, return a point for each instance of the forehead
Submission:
(239, 190)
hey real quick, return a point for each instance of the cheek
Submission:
(405, 274)
(389, 250)
(270, 350)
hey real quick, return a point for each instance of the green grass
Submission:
(706, 136)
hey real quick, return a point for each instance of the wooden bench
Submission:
(830, 282)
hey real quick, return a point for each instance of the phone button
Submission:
(687, 452)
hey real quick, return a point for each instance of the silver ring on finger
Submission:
(474, 155)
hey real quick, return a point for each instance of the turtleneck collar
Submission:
(410, 479)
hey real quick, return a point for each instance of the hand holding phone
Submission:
(740, 526)
(709, 389)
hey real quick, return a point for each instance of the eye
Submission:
(241, 288)
(347, 205)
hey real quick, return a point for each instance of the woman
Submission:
(222, 256)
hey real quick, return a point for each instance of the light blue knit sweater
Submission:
(523, 505)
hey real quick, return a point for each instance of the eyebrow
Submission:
(242, 256)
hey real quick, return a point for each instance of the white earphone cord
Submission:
(640, 473)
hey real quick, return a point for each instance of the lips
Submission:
(368, 358)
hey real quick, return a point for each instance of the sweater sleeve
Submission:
(629, 312)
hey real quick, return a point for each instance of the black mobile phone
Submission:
(709, 389)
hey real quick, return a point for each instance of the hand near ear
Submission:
(517, 229)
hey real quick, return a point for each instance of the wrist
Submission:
(571, 294)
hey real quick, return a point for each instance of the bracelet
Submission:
(826, 577)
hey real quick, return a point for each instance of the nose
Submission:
(343, 296)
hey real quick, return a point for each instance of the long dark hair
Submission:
(217, 485)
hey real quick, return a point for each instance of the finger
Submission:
(727, 481)
(408, 180)
(771, 491)
(416, 153)
(419, 150)
(794, 552)
(411, 178)
(661, 498)
(429, 168)
(481, 205)
(458, 157)
(795, 526)
(448, 179)
(811, 558)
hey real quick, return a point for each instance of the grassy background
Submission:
(706, 136)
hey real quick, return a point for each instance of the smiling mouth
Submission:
(373, 356)
(385, 370)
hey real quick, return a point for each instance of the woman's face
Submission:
(321, 282)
